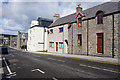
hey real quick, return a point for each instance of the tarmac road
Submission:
(18, 64)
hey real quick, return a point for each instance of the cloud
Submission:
(18, 15)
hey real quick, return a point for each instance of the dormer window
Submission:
(100, 17)
(79, 22)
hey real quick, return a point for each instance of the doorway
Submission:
(100, 42)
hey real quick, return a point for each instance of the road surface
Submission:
(18, 64)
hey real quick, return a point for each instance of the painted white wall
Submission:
(35, 37)
(58, 37)
(33, 23)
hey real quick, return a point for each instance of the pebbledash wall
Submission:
(58, 37)
(90, 28)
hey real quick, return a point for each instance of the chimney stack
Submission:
(79, 8)
(55, 17)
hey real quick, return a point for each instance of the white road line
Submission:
(10, 72)
(7, 66)
(56, 60)
(61, 60)
(54, 78)
(99, 68)
(52, 59)
(38, 70)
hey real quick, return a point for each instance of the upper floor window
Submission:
(100, 17)
(60, 29)
(79, 39)
(51, 31)
(79, 22)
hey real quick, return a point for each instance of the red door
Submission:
(100, 43)
(56, 46)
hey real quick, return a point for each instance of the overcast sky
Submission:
(18, 15)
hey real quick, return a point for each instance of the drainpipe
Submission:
(63, 39)
(72, 41)
(113, 37)
(44, 38)
(87, 36)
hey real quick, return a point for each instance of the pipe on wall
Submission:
(113, 37)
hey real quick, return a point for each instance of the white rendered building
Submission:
(37, 35)
(58, 36)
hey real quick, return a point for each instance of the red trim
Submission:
(100, 17)
(61, 29)
(79, 40)
(78, 23)
(80, 15)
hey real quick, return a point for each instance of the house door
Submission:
(100, 42)
(56, 46)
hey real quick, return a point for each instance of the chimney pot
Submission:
(55, 17)
(79, 8)
(79, 5)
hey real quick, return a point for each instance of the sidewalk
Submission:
(107, 60)
(84, 57)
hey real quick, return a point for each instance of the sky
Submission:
(17, 15)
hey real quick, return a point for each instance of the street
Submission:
(18, 64)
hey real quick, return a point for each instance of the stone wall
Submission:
(93, 28)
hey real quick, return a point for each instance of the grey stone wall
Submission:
(93, 28)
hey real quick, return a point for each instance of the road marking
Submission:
(54, 78)
(56, 60)
(10, 72)
(13, 60)
(99, 68)
(38, 70)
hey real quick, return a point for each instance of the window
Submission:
(79, 39)
(23, 40)
(51, 31)
(61, 45)
(60, 30)
(52, 44)
(100, 18)
(79, 22)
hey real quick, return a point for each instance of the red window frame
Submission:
(61, 30)
(61, 45)
(51, 31)
(79, 39)
(51, 44)
(100, 18)
(79, 22)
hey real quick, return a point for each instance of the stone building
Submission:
(37, 35)
(95, 31)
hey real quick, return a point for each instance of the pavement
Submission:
(28, 65)
(108, 60)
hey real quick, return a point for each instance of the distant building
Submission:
(7, 39)
(22, 39)
(37, 35)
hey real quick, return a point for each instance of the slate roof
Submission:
(107, 8)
